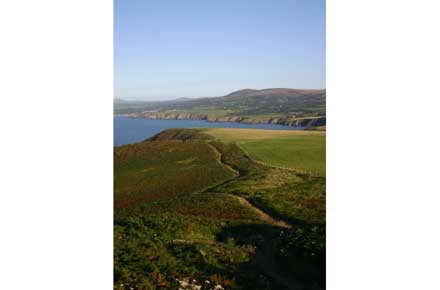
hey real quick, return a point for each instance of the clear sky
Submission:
(166, 49)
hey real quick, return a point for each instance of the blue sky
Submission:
(167, 49)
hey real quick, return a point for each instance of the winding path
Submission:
(265, 257)
(261, 214)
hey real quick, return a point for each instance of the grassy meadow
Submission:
(303, 150)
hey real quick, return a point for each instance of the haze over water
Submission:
(127, 130)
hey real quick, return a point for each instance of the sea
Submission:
(128, 130)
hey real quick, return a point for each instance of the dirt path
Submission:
(261, 214)
(219, 160)
(266, 255)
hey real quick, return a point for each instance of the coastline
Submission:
(304, 122)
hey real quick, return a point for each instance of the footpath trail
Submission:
(265, 257)
(219, 160)
(261, 214)
(243, 201)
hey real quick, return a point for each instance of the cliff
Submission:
(286, 121)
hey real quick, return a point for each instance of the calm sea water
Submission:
(127, 130)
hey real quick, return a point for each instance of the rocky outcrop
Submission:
(168, 116)
(286, 121)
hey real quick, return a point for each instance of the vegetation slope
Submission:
(209, 229)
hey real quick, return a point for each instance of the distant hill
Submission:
(120, 101)
(267, 101)
(247, 102)
(135, 101)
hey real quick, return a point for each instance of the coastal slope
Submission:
(194, 210)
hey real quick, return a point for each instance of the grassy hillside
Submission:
(261, 102)
(303, 150)
(275, 102)
(193, 210)
(150, 170)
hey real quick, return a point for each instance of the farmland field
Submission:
(304, 150)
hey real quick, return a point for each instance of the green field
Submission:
(303, 150)
(188, 206)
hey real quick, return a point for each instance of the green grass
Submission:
(300, 153)
(303, 150)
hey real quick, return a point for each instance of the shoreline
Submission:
(295, 122)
